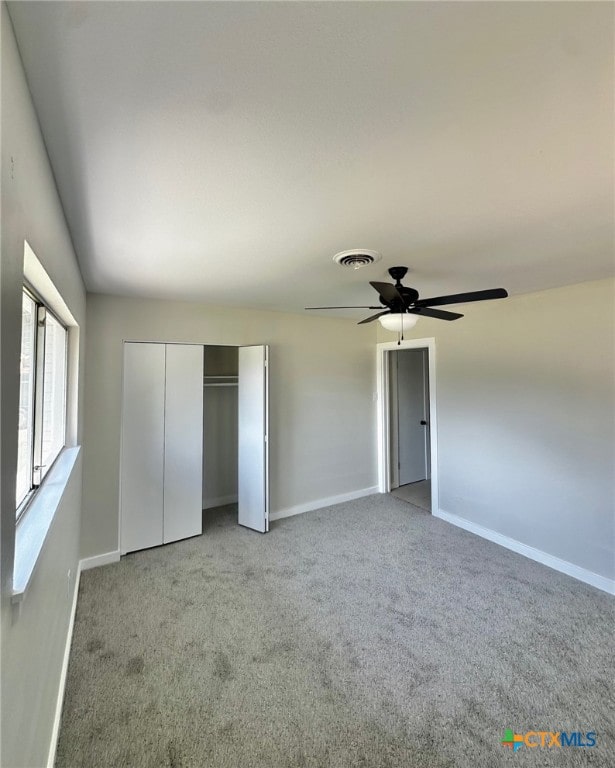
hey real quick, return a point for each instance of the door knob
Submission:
(423, 422)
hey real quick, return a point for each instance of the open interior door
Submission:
(412, 415)
(254, 438)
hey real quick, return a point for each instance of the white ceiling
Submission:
(223, 152)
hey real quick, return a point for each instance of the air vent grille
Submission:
(356, 258)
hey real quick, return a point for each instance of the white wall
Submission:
(322, 413)
(34, 636)
(526, 419)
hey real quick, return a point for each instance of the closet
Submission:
(194, 435)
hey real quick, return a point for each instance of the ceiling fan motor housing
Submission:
(410, 295)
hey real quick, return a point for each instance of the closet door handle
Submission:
(423, 422)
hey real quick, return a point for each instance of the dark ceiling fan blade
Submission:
(462, 298)
(388, 292)
(374, 317)
(360, 307)
(438, 313)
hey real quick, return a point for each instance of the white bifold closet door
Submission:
(142, 462)
(183, 443)
(253, 449)
(162, 444)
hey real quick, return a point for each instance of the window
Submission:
(25, 447)
(42, 395)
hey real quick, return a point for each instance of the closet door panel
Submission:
(141, 470)
(183, 442)
(253, 453)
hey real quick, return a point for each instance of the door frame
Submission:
(384, 415)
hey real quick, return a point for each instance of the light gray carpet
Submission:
(418, 494)
(367, 634)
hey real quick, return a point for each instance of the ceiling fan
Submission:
(400, 301)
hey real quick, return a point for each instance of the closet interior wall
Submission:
(220, 426)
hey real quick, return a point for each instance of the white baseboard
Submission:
(98, 560)
(320, 503)
(220, 501)
(564, 566)
(55, 732)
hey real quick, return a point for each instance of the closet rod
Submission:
(223, 384)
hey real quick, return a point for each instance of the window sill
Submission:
(32, 529)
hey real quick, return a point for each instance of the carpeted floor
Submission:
(368, 634)
(418, 494)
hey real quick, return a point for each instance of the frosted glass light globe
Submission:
(398, 322)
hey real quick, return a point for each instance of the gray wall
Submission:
(526, 419)
(33, 638)
(322, 414)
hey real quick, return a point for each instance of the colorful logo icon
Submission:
(512, 740)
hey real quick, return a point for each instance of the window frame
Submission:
(37, 476)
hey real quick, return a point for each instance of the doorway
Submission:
(407, 425)
(235, 436)
(220, 431)
(410, 476)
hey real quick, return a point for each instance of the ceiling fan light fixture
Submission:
(398, 322)
(356, 258)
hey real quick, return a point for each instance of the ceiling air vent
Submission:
(356, 258)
